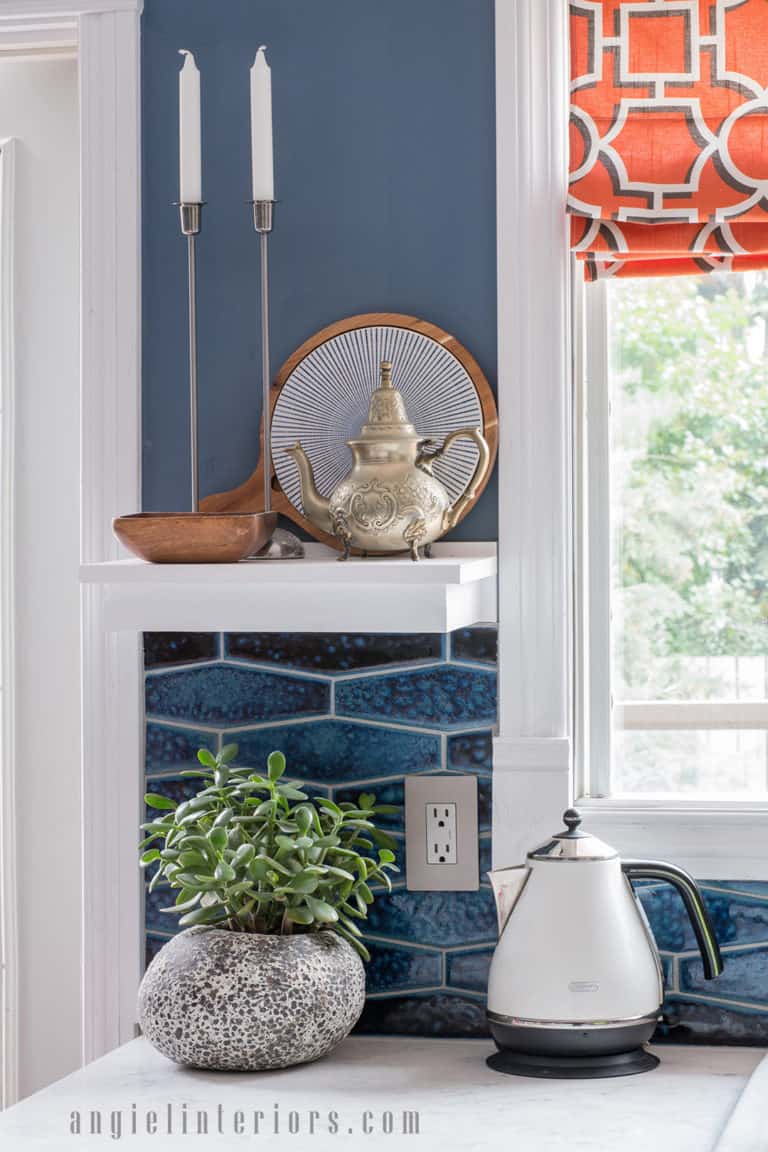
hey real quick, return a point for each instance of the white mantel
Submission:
(453, 589)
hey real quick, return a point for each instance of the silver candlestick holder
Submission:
(191, 217)
(283, 545)
(194, 537)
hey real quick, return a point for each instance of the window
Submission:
(673, 476)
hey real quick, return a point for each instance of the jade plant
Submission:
(255, 853)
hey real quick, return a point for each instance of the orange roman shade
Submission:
(669, 136)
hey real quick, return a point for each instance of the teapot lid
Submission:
(387, 416)
(574, 844)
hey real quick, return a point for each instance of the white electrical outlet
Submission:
(441, 846)
(441, 833)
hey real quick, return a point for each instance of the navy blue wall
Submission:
(384, 142)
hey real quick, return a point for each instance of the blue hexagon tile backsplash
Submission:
(360, 712)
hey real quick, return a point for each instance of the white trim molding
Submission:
(109, 61)
(700, 714)
(713, 841)
(107, 36)
(9, 959)
(531, 781)
(532, 751)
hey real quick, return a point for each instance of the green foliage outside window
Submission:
(689, 481)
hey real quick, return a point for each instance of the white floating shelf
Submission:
(454, 589)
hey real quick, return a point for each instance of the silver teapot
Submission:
(390, 501)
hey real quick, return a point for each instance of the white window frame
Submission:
(540, 695)
(592, 518)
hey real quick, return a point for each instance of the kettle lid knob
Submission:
(575, 844)
(572, 820)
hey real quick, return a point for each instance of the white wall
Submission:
(39, 108)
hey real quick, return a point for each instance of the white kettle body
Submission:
(576, 971)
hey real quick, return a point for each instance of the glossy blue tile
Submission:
(152, 946)
(337, 752)
(445, 697)
(484, 804)
(170, 748)
(179, 647)
(471, 752)
(339, 756)
(441, 919)
(225, 694)
(156, 921)
(446, 1014)
(392, 792)
(395, 968)
(309, 788)
(486, 851)
(745, 976)
(389, 793)
(698, 1023)
(757, 888)
(469, 970)
(475, 645)
(737, 919)
(333, 652)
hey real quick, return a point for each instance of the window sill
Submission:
(712, 839)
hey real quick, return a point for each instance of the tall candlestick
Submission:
(190, 166)
(262, 160)
(191, 218)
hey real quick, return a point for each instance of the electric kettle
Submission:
(575, 985)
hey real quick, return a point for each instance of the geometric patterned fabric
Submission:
(669, 136)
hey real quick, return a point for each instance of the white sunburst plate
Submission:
(324, 403)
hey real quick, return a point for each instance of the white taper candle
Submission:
(262, 161)
(190, 162)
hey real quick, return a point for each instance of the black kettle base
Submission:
(551, 1067)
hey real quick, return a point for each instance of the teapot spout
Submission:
(507, 884)
(316, 507)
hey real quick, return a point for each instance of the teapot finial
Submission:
(387, 416)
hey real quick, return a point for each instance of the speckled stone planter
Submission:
(242, 1002)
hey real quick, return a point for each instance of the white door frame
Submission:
(106, 34)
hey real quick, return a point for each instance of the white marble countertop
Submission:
(682, 1106)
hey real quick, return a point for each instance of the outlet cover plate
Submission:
(421, 793)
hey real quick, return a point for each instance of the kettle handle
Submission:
(455, 512)
(701, 922)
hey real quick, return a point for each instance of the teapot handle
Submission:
(701, 923)
(454, 513)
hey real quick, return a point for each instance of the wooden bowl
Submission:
(194, 537)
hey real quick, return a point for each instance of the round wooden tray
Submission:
(248, 497)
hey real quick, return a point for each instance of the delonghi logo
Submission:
(584, 986)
